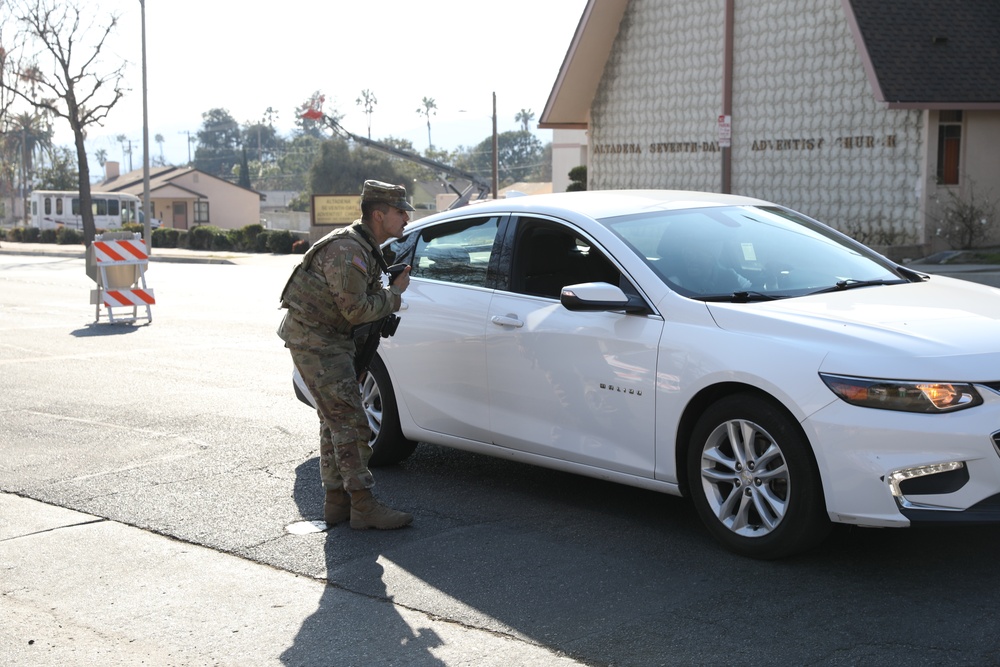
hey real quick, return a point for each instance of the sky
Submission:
(246, 57)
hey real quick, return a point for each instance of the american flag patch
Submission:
(359, 262)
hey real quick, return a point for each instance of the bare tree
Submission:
(965, 219)
(427, 110)
(59, 52)
(7, 76)
(11, 144)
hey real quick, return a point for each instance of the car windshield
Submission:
(748, 253)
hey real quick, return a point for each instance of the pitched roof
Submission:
(930, 53)
(129, 179)
(132, 182)
(906, 66)
(568, 106)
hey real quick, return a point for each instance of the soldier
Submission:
(337, 286)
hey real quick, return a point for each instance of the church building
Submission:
(869, 115)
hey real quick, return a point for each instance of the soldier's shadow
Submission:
(356, 621)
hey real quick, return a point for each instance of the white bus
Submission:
(51, 209)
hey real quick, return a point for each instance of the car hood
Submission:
(943, 329)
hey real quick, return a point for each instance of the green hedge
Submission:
(68, 236)
(251, 238)
(166, 237)
(280, 242)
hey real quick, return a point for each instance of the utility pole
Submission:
(727, 95)
(24, 175)
(495, 157)
(147, 225)
(188, 133)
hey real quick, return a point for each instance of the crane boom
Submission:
(475, 183)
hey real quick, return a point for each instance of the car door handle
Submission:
(508, 321)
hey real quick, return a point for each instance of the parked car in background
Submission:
(779, 374)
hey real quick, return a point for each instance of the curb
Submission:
(165, 254)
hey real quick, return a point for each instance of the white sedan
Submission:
(727, 349)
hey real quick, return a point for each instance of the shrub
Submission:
(32, 234)
(201, 237)
(3, 234)
(17, 234)
(966, 221)
(47, 236)
(68, 236)
(260, 242)
(164, 237)
(244, 239)
(170, 237)
(280, 242)
(221, 241)
(236, 239)
(133, 227)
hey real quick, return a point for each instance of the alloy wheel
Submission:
(745, 478)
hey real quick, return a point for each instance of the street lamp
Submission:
(147, 224)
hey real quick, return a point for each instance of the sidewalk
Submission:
(80, 590)
(157, 254)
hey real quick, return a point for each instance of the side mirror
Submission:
(600, 296)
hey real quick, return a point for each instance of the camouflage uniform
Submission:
(337, 286)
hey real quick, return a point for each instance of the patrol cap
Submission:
(385, 193)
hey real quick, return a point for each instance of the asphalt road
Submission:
(187, 428)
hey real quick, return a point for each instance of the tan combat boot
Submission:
(336, 507)
(366, 512)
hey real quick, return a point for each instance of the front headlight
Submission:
(905, 395)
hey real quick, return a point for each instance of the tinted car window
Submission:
(547, 257)
(455, 252)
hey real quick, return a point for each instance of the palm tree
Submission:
(367, 101)
(159, 139)
(102, 158)
(427, 111)
(524, 117)
(29, 138)
(126, 149)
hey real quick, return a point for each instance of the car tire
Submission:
(389, 447)
(771, 514)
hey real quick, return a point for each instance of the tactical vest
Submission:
(309, 294)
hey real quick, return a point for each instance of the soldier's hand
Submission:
(402, 281)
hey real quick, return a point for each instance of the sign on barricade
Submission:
(121, 277)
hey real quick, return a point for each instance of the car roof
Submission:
(598, 203)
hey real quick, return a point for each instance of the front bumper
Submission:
(891, 469)
(986, 511)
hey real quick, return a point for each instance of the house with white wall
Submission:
(182, 197)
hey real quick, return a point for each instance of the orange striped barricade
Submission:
(121, 278)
